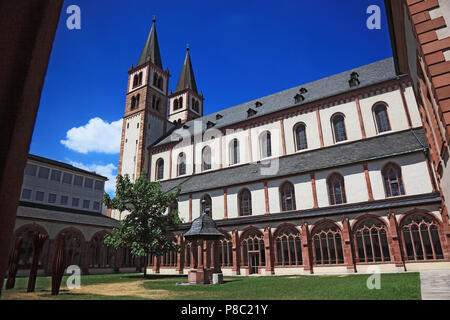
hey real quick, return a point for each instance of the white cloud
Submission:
(108, 171)
(96, 136)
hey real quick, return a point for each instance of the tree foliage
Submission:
(146, 228)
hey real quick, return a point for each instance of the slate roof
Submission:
(370, 74)
(203, 227)
(61, 214)
(342, 154)
(187, 80)
(151, 49)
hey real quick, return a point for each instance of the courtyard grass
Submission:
(405, 286)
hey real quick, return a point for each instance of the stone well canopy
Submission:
(203, 228)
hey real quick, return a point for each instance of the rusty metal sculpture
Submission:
(38, 242)
(14, 264)
(59, 263)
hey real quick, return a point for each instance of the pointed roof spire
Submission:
(187, 80)
(151, 48)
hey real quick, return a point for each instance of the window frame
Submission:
(333, 127)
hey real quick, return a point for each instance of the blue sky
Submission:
(240, 50)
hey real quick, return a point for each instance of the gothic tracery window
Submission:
(421, 240)
(288, 249)
(327, 245)
(252, 249)
(371, 243)
(226, 251)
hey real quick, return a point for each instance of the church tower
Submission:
(145, 116)
(185, 103)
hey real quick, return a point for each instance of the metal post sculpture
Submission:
(14, 264)
(59, 264)
(202, 229)
(38, 243)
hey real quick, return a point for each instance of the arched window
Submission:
(226, 251)
(73, 248)
(300, 137)
(265, 144)
(287, 197)
(101, 255)
(195, 106)
(176, 104)
(138, 97)
(160, 169)
(206, 158)
(140, 78)
(371, 243)
(155, 80)
(180, 101)
(135, 80)
(421, 240)
(133, 103)
(169, 259)
(381, 118)
(327, 244)
(336, 189)
(393, 181)
(252, 250)
(181, 164)
(206, 205)
(288, 247)
(26, 249)
(160, 83)
(340, 133)
(234, 151)
(158, 103)
(245, 203)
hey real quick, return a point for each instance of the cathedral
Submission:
(331, 176)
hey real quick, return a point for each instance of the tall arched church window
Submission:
(336, 189)
(245, 203)
(140, 78)
(287, 197)
(206, 158)
(234, 151)
(265, 144)
(393, 181)
(381, 118)
(300, 137)
(135, 80)
(421, 240)
(339, 131)
(160, 83)
(160, 169)
(252, 250)
(181, 164)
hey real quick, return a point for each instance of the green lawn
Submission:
(133, 286)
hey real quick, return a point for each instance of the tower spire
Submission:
(151, 48)
(187, 79)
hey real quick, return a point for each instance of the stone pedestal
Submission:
(198, 276)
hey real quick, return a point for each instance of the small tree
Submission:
(146, 228)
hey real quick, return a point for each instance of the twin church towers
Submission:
(151, 110)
